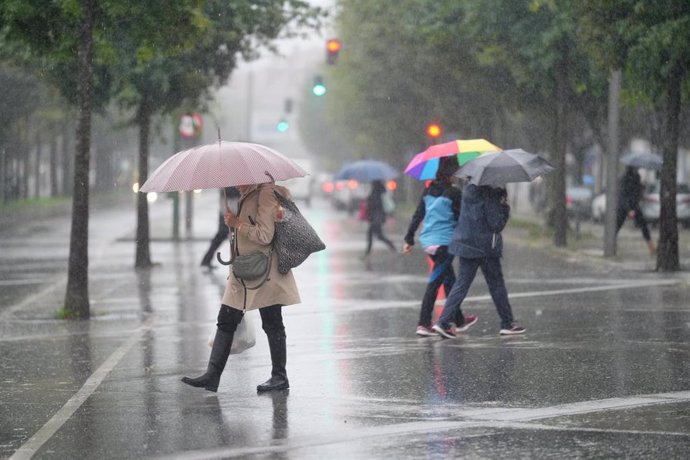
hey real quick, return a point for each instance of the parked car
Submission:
(651, 205)
(578, 202)
(599, 207)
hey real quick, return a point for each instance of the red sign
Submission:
(191, 125)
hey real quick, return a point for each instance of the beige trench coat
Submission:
(258, 212)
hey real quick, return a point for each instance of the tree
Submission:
(648, 40)
(69, 37)
(157, 80)
(511, 71)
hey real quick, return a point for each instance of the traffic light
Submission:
(332, 49)
(318, 88)
(433, 130)
(283, 126)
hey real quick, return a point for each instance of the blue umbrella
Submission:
(366, 171)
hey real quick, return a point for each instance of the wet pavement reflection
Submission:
(603, 370)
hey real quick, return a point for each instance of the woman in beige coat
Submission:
(254, 226)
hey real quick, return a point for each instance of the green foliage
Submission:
(648, 39)
(474, 66)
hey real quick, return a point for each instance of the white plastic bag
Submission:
(244, 338)
(388, 203)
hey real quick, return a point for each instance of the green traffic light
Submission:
(319, 89)
(283, 126)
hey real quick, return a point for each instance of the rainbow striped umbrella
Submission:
(425, 164)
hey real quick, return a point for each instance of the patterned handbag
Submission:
(294, 239)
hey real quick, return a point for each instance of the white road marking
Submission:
(502, 419)
(21, 282)
(30, 447)
(51, 287)
(352, 305)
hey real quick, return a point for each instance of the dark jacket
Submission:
(375, 212)
(483, 216)
(630, 191)
(439, 209)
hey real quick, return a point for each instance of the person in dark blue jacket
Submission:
(478, 243)
(376, 215)
(438, 209)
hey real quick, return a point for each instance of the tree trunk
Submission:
(24, 157)
(67, 158)
(667, 258)
(53, 163)
(143, 255)
(77, 296)
(37, 164)
(556, 180)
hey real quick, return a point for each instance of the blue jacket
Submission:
(439, 209)
(483, 216)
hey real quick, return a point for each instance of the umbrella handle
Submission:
(232, 252)
(270, 176)
(220, 259)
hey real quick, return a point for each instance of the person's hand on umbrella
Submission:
(231, 220)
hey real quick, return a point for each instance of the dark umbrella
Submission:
(366, 171)
(643, 160)
(499, 168)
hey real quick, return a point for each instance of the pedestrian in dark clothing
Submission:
(222, 234)
(376, 215)
(478, 243)
(629, 196)
(438, 210)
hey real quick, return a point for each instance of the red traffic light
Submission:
(332, 49)
(333, 45)
(433, 130)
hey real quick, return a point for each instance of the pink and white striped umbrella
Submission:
(221, 164)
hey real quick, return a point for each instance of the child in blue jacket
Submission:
(438, 209)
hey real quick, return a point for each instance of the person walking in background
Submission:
(438, 210)
(478, 243)
(221, 235)
(254, 226)
(629, 196)
(376, 215)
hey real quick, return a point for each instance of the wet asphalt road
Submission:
(603, 371)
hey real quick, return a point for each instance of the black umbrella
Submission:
(499, 168)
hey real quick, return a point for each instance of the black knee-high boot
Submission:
(278, 347)
(228, 319)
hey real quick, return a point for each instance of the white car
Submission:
(599, 207)
(651, 205)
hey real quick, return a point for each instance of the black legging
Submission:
(377, 229)
(639, 219)
(271, 319)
